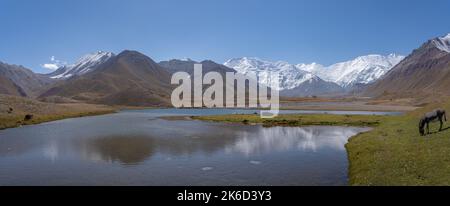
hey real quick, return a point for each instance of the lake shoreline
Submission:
(392, 153)
(222, 153)
(17, 120)
(296, 120)
(17, 111)
(293, 120)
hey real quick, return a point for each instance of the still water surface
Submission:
(140, 148)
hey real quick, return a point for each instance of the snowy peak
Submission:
(247, 64)
(291, 76)
(361, 70)
(376, 59)
(442, 43)
(313, 67)
(90, 60)
(84, 65)
(185, 59)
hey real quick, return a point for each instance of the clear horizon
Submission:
(321, 31)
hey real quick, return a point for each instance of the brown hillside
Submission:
(424, 74)
(130, 78)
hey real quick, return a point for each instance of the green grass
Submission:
(393, 153)
(300, 120)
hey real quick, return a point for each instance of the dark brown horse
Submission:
(438, 114)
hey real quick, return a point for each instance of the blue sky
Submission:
(297, 31)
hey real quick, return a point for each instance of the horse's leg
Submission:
(440, 127)
(428, 128)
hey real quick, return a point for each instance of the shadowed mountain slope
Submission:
(129, 78)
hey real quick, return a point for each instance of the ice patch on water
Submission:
(253, 162)
(207, 168)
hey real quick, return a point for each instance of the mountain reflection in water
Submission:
(138, 148)
(287, 138)
(126, 150)
(245, 140)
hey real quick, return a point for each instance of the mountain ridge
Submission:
(361, 70)
(83, 65)
(21, 81)
(129, 78)
(425, 72)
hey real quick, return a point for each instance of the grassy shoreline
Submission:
(296, 120)
(12, 121)
(13, 109)
(392, 153)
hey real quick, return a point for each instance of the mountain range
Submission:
(177, 65)
(316, 79)
(132, 78)
(129, 78)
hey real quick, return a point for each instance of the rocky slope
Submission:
(20, 81)
(424, 73)
(85, 64)
(129, 78)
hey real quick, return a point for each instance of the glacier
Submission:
(443, 43)
(361, 70)
(85, 64)
(291, 76)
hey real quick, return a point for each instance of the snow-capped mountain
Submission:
(312, 87)
(291, 76)
(442, 43)
(362, 70)
(84, 65)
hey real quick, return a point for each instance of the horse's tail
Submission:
(421, 123)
